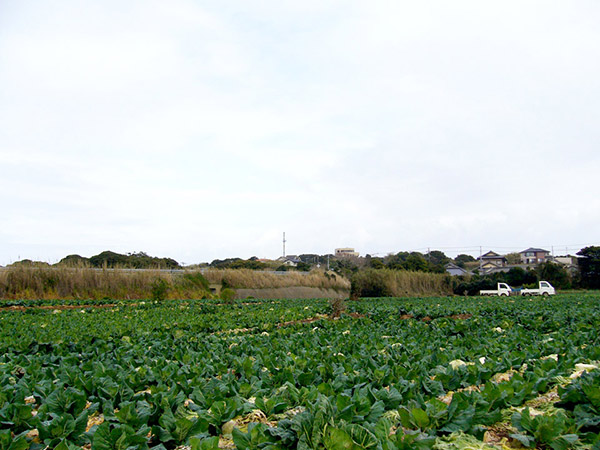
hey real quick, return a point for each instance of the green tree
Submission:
(369, 283)
(415, 262)
(462, 259)
(376, 263)
(517, 276)
(159, 289)
(74, 261)
(555, 274)
(227, 295)
(436, 260)
(437, 257)
(513, 258)
(589, 267)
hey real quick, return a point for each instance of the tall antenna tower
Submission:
(284, 241)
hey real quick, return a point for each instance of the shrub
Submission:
(196, 279)
(159, 289)
(227, 295)
(370, 283)
(398, 283)
(338, 306)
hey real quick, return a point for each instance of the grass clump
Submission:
(53, 283)
(398, 283)
(256, 279)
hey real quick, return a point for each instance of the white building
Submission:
(343, 252)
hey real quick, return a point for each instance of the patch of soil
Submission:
(354, 315)
(308, 320)
(59, 307)
(429, 319)
(460, 316)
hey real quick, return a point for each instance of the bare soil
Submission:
(59, 307)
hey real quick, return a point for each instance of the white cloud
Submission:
(204, 131)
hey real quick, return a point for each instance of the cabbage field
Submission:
(433, 373)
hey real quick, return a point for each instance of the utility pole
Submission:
(284, 244)
(480, 260)
(327, 262)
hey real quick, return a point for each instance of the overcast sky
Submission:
(201, 130)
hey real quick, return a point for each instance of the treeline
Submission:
(302, 263)
(386, 282)
(554, 273)
(109, 260)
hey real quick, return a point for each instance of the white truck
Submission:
(503, 289)
(544, 288)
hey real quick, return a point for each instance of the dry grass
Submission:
(253, 279)
(399, 283)
(404, 283)
(87, 283)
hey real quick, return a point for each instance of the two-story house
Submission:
(491, 261)
(534, 256)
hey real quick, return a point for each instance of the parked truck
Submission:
(544, 288)
(502, 290)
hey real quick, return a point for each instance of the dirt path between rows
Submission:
(59, 307)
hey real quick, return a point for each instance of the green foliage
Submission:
(227, 295)
(8, 442)
(462, 259)
(196, 279)
(370, 283)
(139, 260)
(589, 267)
(413, 261)
(182, 373)
(555, 274)
(109, 436)
(303, 267)
(513, 258)
(238, 263)
(29, 263)
(582, 397)
(74, 261)
(159, 289)
(516, 276)
(556, 431)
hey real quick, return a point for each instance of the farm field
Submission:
(432, 373)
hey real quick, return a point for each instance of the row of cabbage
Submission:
(397, 374)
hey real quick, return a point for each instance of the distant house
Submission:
(491, 262)
(534, 256)
(343, 252)
(455, 270)
(568, 262)
(290, 260)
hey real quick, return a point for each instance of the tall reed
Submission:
(30, 282)
(399, 283)
(255, 279)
